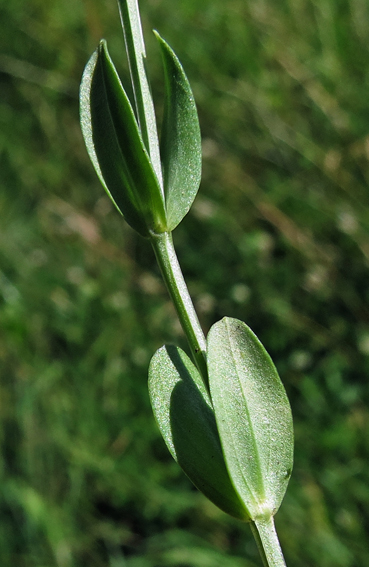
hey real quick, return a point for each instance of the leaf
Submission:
(183, 411)
(180, 139)
(115, 146)
(253, 416)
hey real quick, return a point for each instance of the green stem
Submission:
(135, 47)
(268, 543)
(173, 277)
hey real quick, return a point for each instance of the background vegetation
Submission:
(278, 237)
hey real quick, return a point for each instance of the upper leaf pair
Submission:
(115, 143)
(237, 446)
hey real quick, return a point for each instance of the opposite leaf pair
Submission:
(236, 442)
(227, 421)
(153, 198)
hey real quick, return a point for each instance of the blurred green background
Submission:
(278, 237)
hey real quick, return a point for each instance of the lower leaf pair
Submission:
(235, 443)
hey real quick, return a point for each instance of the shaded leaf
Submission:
(180, 139)
(253, 416)
(183, 411)
(115, 146)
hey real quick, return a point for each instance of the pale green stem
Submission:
(135, 47)
(173, 277)
(268, 543)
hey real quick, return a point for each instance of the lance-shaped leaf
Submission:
(186, 421)
(253, 416)
(115, 146)
(180, 139)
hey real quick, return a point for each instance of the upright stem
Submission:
(268, 543)
(173, 277)
(135, 47)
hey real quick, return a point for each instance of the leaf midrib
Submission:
(232, 349)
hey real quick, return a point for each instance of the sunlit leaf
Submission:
(186, 420)
(115, 146)
(180, 139)
(253, 416)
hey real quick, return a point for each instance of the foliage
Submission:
(233, 437)
(277, 237)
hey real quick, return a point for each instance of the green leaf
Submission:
(180, 139)
(183, 411)
(115, 146)
(253, 416)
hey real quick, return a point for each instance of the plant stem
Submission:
(135, 47)
(268, 543)
(173, 277)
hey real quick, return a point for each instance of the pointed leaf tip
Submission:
(115, 146)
